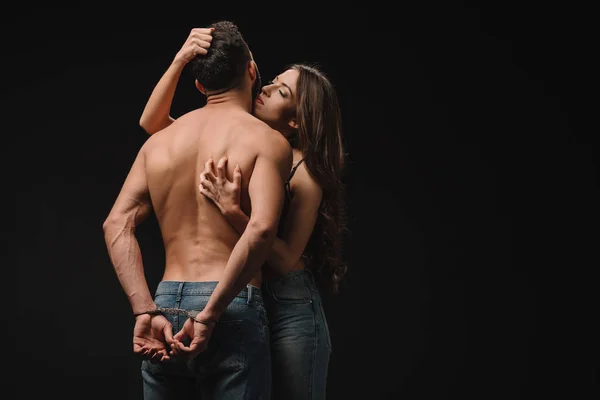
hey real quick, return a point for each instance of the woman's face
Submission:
(276, 103)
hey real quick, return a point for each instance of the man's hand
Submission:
(198, 333)
(197, 42)
(151, 337)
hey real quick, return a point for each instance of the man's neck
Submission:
(231, 97)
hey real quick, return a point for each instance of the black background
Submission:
(472, 189)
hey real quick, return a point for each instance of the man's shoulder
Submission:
(154, 140)
(267, 138)
(274, 143)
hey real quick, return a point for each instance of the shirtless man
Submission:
(210, 286)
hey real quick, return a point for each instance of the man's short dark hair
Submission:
(224, 66)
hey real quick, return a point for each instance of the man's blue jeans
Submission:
(236, 364)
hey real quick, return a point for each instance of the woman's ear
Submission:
(292, 123)
(200, 87)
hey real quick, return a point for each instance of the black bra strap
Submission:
(294, 170)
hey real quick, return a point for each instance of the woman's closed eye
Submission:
(281, 92)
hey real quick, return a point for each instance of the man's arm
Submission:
(266, 191)
(299, 224)
(130, 209)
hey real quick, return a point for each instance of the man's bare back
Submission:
(198, 239)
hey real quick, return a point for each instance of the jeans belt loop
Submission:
(249, 293)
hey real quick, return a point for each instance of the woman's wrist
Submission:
(178, 64)
(233, 212)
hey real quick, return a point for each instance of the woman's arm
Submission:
(156, 113)
(155, 116)
(299, 222)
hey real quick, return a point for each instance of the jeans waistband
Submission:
(300, 272)
(179, 288)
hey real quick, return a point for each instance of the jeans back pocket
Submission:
(290, 288)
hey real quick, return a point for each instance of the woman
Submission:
(302, 105)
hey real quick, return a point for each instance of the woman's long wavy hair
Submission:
(319, 138)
